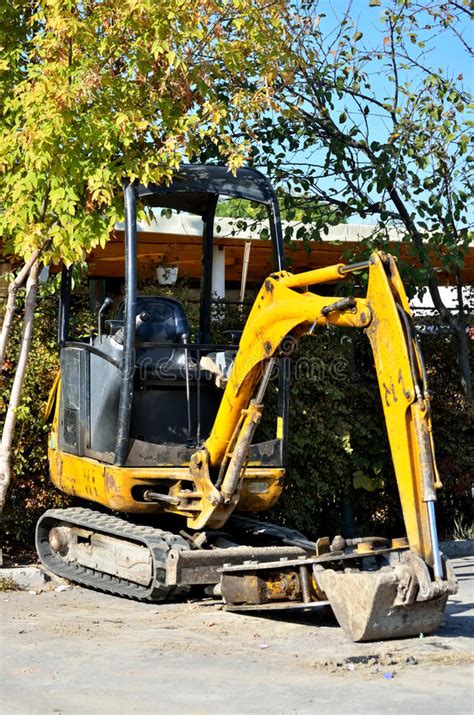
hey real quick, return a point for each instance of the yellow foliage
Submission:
(96, 92)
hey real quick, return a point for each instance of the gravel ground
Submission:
(77, 651)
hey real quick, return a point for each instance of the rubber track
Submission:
(157, 541)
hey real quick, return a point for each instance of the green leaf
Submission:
(362, 481)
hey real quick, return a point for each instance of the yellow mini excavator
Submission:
(141, 426)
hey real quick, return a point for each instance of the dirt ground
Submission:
(76, 651)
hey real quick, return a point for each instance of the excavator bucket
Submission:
(367, 605)
(387, 595)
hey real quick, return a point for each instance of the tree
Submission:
(374, 127)
(96, 92)
(298, 216)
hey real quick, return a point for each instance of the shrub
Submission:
(340, 477)
(30, 492)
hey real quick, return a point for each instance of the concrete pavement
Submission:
(78, 651)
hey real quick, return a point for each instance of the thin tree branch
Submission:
(15, 394)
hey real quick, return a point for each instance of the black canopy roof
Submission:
(195, 186)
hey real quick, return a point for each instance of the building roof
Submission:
(185, 251)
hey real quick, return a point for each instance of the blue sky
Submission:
(444, 53)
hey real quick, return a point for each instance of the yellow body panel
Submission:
(48, 410)
(112, 486)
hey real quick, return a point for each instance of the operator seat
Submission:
(166, 323)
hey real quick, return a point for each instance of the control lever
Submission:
(139, 320)
(106, 304)
(185, 339)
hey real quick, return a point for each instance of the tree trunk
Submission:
(15, 395)
(456, 323)
(13, 288)
(462, 341)
(463, 359)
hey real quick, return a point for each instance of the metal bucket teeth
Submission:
(364, 604)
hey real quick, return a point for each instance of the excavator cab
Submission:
(163, 428)
(143, 392)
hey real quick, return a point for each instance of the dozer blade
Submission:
(367, 604)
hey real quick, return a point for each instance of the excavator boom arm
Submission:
(285, 306)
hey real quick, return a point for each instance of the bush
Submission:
(31, 492)
(453, 429)
(340, 477)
